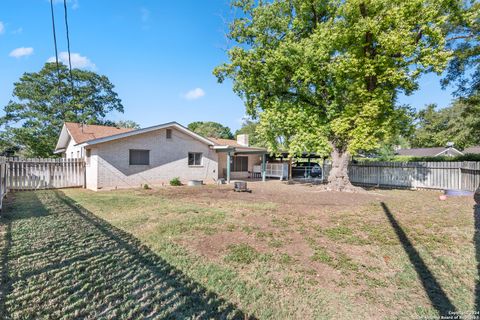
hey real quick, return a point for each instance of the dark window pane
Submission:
(194, 158)
(169, 133)
(139, 157)
(239, 164)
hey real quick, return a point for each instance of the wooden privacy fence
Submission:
(434, 175)
(3, 179)
(33, 174)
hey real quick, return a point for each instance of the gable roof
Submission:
(429, 152)
(172, 124)
(472, 150)
(81, 133)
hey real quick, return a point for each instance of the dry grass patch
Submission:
(287, 252)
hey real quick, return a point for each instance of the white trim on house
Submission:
(145, 130)
(63, 140)
(449, 149)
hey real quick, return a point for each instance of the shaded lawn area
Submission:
(60, 261)
(282, 252)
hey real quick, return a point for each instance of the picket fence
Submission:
(3, 179)
(34, 174)
(428, 175)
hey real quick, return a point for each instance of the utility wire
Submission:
(68, 46)
(55, 39)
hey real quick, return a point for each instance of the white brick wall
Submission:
(91, 170)
(168, 159)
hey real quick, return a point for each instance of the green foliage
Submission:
(325, 73)
(467, 157)
(8, 147)
(146, 187)
(43, 100)
(241, 253)
(211, 129)
(123, 124)
(458, 123)
(175, 182)
(250, 127)
(464, 68)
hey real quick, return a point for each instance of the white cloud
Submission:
(21, 52)
(78, 61)
(144, 14)
(194, 94)
(2, 27)
(18, 30)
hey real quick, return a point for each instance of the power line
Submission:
(55, 38)
(68, 46)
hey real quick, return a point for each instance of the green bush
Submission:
(175, 182)
(146, 187)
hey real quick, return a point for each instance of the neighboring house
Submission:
(117, 157)
(430, 152)
(472, 150)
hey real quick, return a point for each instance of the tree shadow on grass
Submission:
(72, 264)
(432, 287)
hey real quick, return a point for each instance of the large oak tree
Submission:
(323, 75)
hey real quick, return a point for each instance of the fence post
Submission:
(460, 184)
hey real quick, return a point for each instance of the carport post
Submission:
(229, 158)
(264, 167)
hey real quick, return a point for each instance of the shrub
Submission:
(175, 182)
(146, 187)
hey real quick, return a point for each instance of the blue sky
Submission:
(159, 54)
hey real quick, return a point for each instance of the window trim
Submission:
(136, 164)
(195, 165)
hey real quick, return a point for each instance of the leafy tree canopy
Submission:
(323, 75)
(250, 127)
(464, 67)
(43, 100)
(123, 124)
(458, 123)
(211, 129)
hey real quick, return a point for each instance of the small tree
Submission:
(211, 129)
(44, 100)
(323, 75)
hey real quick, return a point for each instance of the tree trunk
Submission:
(338, 179)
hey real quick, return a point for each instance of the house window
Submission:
(139, 157)
(194, 158)
(169, 133)
(239, 164)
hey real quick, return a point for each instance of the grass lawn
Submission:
(282, 252)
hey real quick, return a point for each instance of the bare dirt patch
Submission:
(311, 253)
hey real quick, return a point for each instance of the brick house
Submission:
(121, 157)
